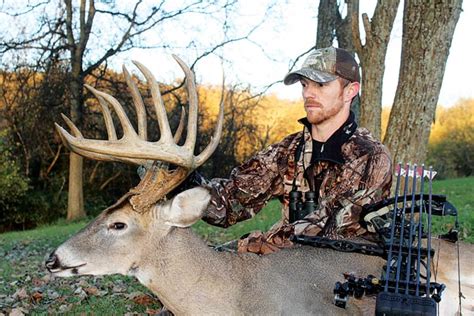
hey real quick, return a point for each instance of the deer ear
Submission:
(186, 208)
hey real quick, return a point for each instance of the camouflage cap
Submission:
(326, 64)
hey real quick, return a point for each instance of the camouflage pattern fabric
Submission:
(364, 176)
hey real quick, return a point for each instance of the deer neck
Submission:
(186, 274)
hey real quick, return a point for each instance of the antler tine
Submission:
(165, 131)
(193, 105)
(138, 103)
(73, 143)
(211, 147)
(128, 130)
(180, 129)
(109, 123)
(75, 131)
(177, 135)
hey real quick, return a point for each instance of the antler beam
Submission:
(134, 147)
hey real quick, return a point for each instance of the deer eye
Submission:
(118, 226)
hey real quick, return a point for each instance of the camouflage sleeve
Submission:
(249, 187)
(338, 213)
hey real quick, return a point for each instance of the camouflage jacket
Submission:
(351, 167)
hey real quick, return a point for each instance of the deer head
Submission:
(143, 216)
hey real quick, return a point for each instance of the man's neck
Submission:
(322, 131)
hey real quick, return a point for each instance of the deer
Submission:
(147, 233)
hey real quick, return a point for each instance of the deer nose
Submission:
(53, 262)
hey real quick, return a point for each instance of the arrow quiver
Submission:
(404, 223)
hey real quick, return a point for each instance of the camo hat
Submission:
(326, 64)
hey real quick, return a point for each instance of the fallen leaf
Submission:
(53, 294)
(36, 297)
(17, 312)
(119, 289)
(64, 308)
(91, 290)
(143, 300)
(150, 311)
(83, 283)
(20, 294)
(132, 295)
(80, 293)
(38, 282)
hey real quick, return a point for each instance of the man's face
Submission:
(322, 101)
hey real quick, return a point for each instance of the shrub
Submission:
(451, 147)
(13, 186)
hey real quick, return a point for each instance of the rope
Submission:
(436, 269)
(459, 280)
(437, 260)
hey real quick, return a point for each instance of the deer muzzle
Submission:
(54, 265)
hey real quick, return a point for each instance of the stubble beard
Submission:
(321, 114)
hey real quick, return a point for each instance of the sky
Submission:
(284, 34)
(292, 30)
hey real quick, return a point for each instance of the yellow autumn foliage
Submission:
(451, 142)
(254, 122)
(455, 121)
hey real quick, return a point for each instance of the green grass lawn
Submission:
(460, 192)
(25, 286)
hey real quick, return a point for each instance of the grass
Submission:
(25, 285)
(262, 221)
(460, 192)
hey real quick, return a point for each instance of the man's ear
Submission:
(351, 90)
(186, 208)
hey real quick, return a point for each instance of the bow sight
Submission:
(404, 224)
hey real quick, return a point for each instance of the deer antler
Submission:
(134, 148)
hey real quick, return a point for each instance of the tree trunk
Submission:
(428, 28)
(372, 58)
(75, 207)
(327, 15)
(344, 39)
(77, 46)
(332, 25)
(344, 31)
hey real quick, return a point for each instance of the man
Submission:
(343, 165)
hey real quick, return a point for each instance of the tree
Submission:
(92, 32)
(331, 26)
(372, 58)
(451, 145)
(328, 13)
(428, 28)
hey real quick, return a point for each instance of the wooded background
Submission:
(45, 66)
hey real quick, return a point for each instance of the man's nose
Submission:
(309, 95)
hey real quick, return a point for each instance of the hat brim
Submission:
(311, 74)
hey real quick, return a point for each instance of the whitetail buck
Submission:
(147, 236)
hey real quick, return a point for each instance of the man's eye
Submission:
(321, 84)
(118, 226)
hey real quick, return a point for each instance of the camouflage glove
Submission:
(265, 243)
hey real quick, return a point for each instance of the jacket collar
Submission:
(331, 150)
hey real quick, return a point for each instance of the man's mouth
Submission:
(310, 105)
